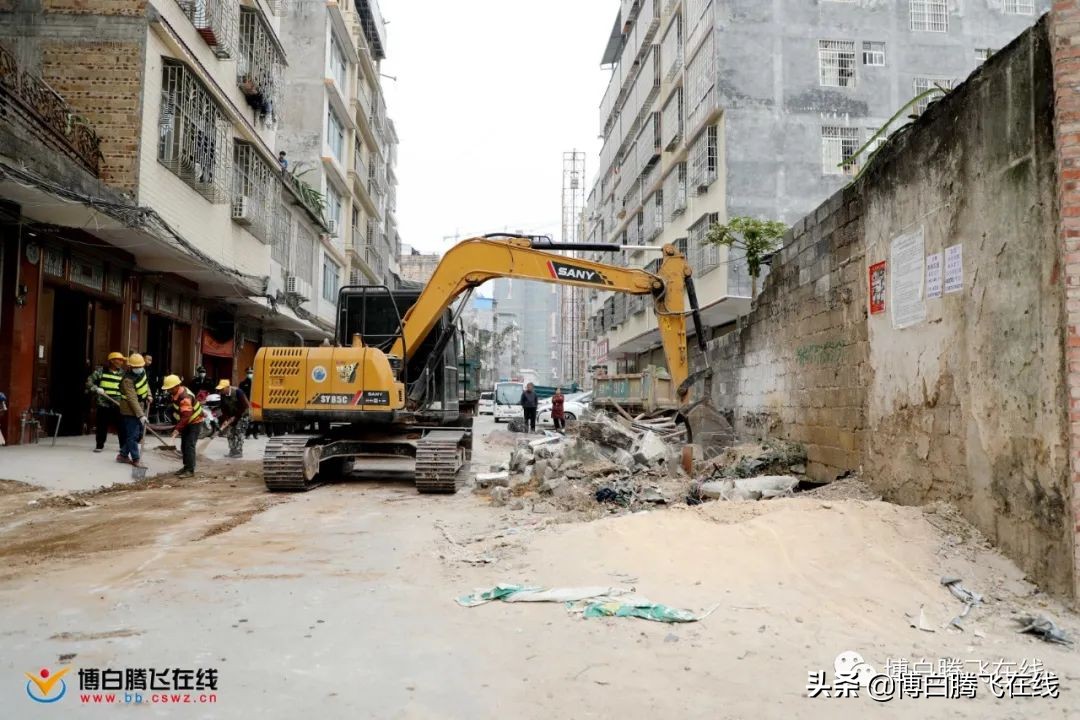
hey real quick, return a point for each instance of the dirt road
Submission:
(340, 603)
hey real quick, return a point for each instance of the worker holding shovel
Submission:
(235, 415)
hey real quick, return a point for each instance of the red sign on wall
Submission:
(877, 288)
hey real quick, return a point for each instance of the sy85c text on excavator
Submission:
(385, 397)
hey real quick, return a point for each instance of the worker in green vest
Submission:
(104, 383)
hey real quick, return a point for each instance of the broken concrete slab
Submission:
(499, 479)
(650, 449)
(756, 488)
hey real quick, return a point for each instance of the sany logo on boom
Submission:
(562, 271)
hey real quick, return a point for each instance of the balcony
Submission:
(215, 21)
(671, 124)
(672, 50)
(29, 100)
(648, 142)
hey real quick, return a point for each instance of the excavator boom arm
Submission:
(473, 262)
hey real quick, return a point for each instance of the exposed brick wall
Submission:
(103, 82)
(797, 366)
(971, 403)
(1065, 51)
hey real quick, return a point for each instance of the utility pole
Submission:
(570, 340)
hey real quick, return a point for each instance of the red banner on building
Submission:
(877, 288)
(210, 346)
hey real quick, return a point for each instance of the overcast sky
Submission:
(489, 94)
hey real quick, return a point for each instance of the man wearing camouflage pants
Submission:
(234, 416)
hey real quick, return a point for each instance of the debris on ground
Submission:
(961, 593)
(919, 621)
(771, 457)
(590, 602)
(755, 488)
(1044, 627)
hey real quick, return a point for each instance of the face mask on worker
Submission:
(250, 376)
(138, 371)
(202, 375)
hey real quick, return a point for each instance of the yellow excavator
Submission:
(385, 397)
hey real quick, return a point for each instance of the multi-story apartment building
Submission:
(533, 308)
(145, 207)
(718, 108)
(338, 136)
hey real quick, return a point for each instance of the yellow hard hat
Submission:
(170, 382)
(136, 361)
(222, 385)
(115, 356)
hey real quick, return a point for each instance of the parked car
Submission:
(572, 408)
(486, 406)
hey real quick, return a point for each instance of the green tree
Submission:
(758, 238)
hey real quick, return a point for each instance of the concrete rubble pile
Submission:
(752, 472)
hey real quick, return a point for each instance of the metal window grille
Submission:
(672, 49)
(260, 65)
(700, 85)
(873, 54)
(114, 283)
(168, 301)
(703, 256)
(305, 252)
(699, 20)
(215, 21)
(193, 134)
(255, 187)
(675, 192)
(672, 121)
(147, 295)
(53, 262)
(283, 230)
(983, 54)
(838, 145)
(923, 84)
(338, 66)
(87, 273)
(872, 148)
(333, 208)
(704, 160)
(738, 273)
(836, 63)
(930, 15)
(1018, 7)
(281, 8)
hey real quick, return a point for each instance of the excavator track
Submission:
(439, 462)
(283, 464)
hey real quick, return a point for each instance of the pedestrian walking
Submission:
(558, 412)
(528, 407)
(235, 416)
(104, 384)
(187, 414)
(132, 411)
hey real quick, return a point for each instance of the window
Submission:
(700, 81)
(922, 85)
(331, 277)
(255, 188)
(192, 133)
(836, 63)
(335, 135)
(305, 252)
(216, 22)
(873, 54)
(704, 159)
(259, 65)
(703, 257)
(1018, 7)
(675, 192)
(878, 142)
(838, 145)
(672, 122)
(930, 15)
(338, 66)
(283, 225)
(983, 54)
(333, 208)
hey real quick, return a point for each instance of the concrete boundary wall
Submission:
(950, 383)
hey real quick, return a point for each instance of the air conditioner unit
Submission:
(298, 286)
(331, 225)
(241, 209)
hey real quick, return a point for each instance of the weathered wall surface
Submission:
(968, 403)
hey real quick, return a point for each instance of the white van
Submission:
(508, 401)
(486, 406)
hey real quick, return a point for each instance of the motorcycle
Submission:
(211, 414)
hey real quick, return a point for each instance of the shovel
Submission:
(139, 473)
(164, 445)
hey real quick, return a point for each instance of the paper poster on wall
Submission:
(954, 268)
(908, 261)
(877, 288)
(933, 275)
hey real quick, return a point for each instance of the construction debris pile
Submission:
(622, 463)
